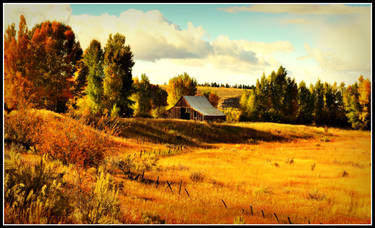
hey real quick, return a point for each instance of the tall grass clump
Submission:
(133, 166)
(33, 194)
(99, 205)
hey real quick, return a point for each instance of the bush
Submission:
(135, 165)
(196, 177)
(33, 194)
(22, 127)
(151, 218)
(71, 142)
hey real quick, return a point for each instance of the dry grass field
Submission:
(223, 93)
(253, 173)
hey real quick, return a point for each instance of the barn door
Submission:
(184, 114)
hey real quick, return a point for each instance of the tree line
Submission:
(226, 85)
(46, 68)
(277, 98)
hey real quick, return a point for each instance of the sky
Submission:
(223, 43)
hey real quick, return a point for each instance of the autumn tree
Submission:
(212, 97)
(54, 54)
(181, 85)
(117, 82)
(19, 89)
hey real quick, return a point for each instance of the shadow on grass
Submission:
(194, 133)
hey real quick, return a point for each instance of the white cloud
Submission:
(35, 13)
(311, 9)
(149, 34)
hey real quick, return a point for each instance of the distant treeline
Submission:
(277, 98)
(220, 85)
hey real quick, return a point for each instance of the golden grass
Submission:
(301, 177)
(223, 93)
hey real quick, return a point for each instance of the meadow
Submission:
(184, 172)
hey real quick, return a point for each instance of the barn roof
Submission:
(202, 105)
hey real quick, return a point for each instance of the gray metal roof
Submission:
(202, 105)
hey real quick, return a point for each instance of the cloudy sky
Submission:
(224, 43)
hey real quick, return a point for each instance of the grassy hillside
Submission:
(179, 171)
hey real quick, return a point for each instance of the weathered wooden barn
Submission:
(194, 108)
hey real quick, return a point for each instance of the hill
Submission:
(222, 92)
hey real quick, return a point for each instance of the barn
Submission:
(194, 108)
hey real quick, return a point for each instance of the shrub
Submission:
(33, 194)
(134, 165)
(196, 177)
(151, 218)
(71, 142)
(22, 127)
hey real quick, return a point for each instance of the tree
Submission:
(158, 101)
(93, 59)
(142, 97)
(117, 83)
(212, 97)
(19, 90)
(318, 96)
(149, 100)
(305, 104)
(181, 85)
(357, 104)
(55, 53)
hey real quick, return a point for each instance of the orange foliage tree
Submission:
(39, 65)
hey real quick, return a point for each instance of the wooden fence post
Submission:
(277, 219)
(224, 204)
(187, 192)
(169, 186)
(179, 190)
(157, 182)
(251, 210)
(290, 222)
(262, 213)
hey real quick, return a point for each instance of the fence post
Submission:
(277, 219)
(169, 186)
(251, 210)
(262, 213)
(179, 190)
(187, 192)
(157, 182)
(290, 222)
(224, 204)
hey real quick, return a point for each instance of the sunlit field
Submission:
(211, 173)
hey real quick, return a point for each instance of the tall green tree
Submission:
(93, 59)
(318, 96)
(305, 104)
(181, 85)
(117, 83)
(149, 100)
(357, 102)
